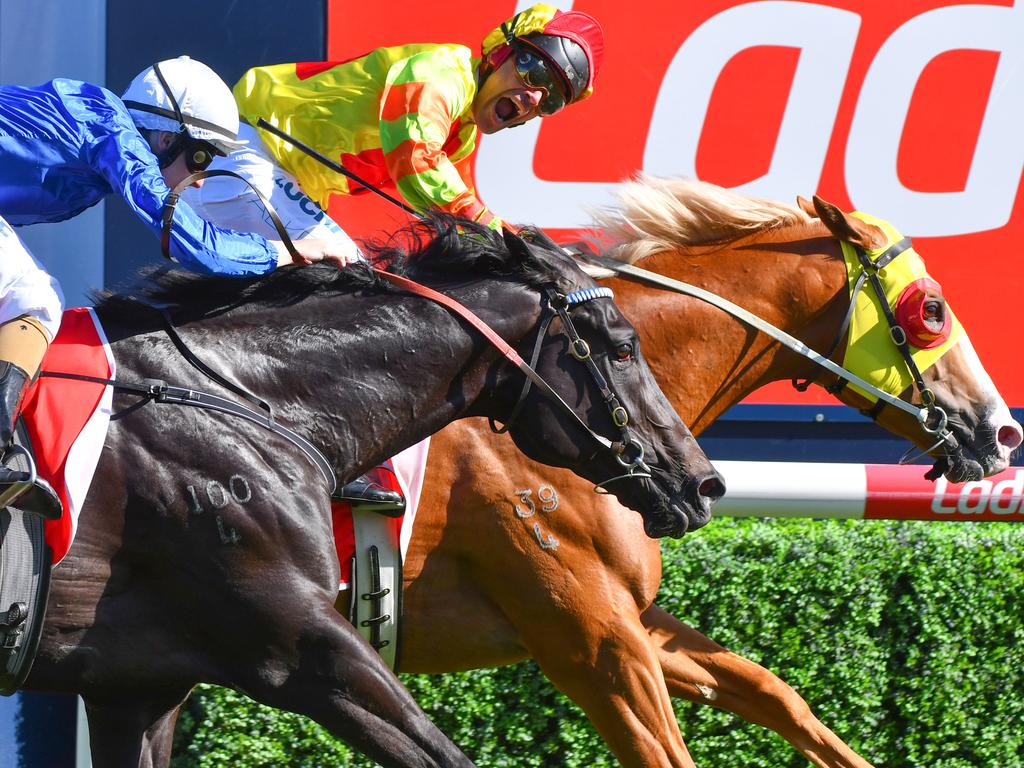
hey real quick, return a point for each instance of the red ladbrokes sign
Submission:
(911, 111)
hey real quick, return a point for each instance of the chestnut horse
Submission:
(510, 560)
(160, 591)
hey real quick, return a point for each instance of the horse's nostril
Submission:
(711, 487)
(1010, 436)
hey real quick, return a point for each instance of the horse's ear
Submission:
(847, 228)
(806, 206)
(517, 247)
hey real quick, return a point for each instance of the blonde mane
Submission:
(659, 214)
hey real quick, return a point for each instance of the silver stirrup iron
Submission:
(16, 489)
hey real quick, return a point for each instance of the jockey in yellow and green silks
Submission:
(410, 115)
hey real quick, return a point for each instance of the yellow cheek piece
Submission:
(870, 351)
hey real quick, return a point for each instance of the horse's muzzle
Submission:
(688, 509)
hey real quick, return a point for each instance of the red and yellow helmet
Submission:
(569, 43)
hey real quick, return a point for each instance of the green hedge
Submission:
(907, 639)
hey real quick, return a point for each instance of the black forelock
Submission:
(436, 249)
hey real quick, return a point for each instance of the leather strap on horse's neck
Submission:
(160, 392)
(198, 364)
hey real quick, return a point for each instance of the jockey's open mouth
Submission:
(508, 110)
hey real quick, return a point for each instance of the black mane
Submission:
(437, 249)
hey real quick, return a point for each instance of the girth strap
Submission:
(160, 392)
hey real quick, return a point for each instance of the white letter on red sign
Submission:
(826, 38)
(871, 154)
(939, 496)
(1006, 495)
(981, 491)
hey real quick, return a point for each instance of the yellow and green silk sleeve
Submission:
(425, 140)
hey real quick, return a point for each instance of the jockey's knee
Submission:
(23, 342)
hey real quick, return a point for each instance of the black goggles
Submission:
(199, 155)
(535, 72)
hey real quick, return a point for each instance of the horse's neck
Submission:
(407, 368)
(361, 376)
(705, 359)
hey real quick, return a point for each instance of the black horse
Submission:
(160, 591)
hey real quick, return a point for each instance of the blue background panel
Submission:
(806, 433)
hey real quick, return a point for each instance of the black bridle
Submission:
(559, 305)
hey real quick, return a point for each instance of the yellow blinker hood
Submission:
(870, 351)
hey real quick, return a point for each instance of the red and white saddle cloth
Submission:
(403, 473)
(67, 419)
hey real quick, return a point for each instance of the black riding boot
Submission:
(13, 382)
(364, 494)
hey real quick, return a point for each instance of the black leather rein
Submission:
(159, 391)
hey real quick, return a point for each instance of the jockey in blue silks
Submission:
(67, 144)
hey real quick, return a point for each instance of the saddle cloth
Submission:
(67, 419)
(403, 473)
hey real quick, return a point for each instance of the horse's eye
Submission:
(933, 313)
(624, 352)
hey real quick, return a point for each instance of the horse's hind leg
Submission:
(133, 731)
(698, 669)
(337, 679)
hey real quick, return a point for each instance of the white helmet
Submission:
(184, 95)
